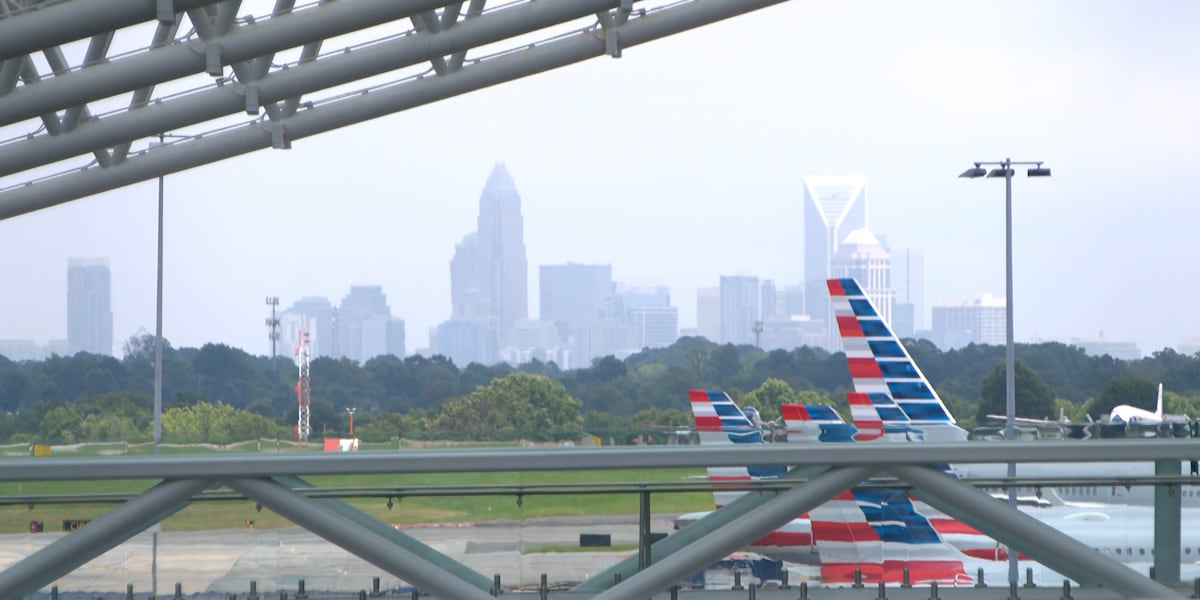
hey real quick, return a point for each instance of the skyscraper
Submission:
(89, 306)
(908, 279)
(501, 270)
(861, 256)
(313, 315)
(573, 295)
(739, 309)
(365, 325)
(708, 313)
(833, 207)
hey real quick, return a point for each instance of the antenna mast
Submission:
(303, 400)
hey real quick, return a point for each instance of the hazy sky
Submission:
(682, 161)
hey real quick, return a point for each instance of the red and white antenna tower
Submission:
(303, 400)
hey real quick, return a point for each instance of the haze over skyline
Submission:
(683, 160)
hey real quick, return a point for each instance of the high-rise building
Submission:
(363, 322)
(791, 301)
(769, 299)
(654, 323)
(311, 314)
(908, 280)
(466, 341)
(708, 313)
(980, 321)
(501, 270)
(833, 207)
(863, 258)
(467, 300)
(89, 306)
(739, 309)
(573, 295)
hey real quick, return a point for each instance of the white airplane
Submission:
(1132, 414)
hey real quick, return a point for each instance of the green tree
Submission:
(60, 426)
(520, 404)
(768, 397)
(1033, 398)
(1130, 390)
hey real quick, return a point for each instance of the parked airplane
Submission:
(893, 384)
(894, 401)
(880, 532)
(1125, 413)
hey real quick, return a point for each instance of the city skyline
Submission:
(702, 178)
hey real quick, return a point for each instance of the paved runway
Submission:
(226, 561)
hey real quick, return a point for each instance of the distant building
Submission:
(1116, 349)
(791, 301)
(502, 271)
(908, 281)
(768, 297)
(315, 316)
(535, 340)
(573, 295)
(708, 313)
(739, 309)
(791, 333)
(653, 321)
(833, 207)
(363, 323)
(89, 306)
(18, 350)
(863, 258)
(978, 321)
(466, 341)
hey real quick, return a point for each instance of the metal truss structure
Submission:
(819, 472)
(225, 81)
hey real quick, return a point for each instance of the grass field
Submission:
(219, 514)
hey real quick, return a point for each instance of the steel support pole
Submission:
(358, 540)
(97, 537)
(748, 502)
(1010, 385)
(711, 548)
(644, 557)
(1168, 501)
(394, 536)
(1046, 544)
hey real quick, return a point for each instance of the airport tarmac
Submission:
(227, 561)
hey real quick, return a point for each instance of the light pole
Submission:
(1004, 169)
(351, 411)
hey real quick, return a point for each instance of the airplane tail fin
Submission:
(883, 371)
(878, 533)
(1158, 408)
(720, 421)
(815, 423)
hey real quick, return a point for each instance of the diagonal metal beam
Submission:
(1047, 545)
(675, 542)
(164, 33)
(456, 59)
(65, 22)
(97, 537)
(729, 538)
(97, 50)
(58, 63)
(394, 536)
(358, 540)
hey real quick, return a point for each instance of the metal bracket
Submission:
(252, 103)
(279, 139)
(212, 60)
(612, 43)
(165, 12)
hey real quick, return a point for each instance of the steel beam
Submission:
(224, 100)
(358, 540)
(744, 504)
(1044, 543)
(1168, 502)
(394, 536)
(56, 24)
(553, 459)
(346, 111)
(188, 58)
(97, 537)
(751, 526)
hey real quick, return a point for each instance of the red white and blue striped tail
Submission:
(720, 422)
(878, 534)
(892, 398)
(808, 423)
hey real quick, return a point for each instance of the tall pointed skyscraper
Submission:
(833, 207)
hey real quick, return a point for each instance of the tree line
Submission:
(220, 394)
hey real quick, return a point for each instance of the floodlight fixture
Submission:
(974, 173)
(1000, 173)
